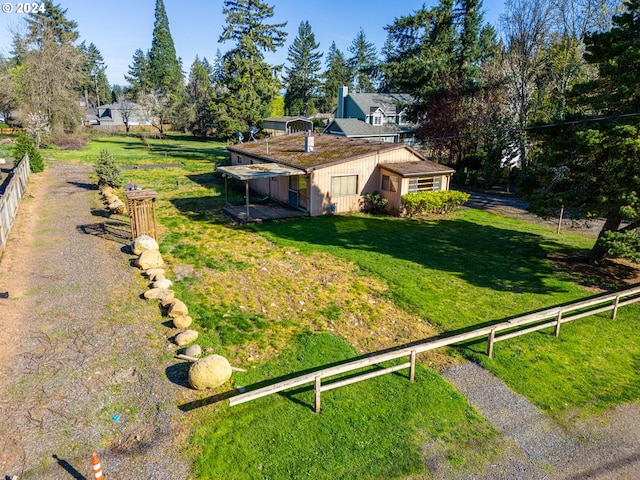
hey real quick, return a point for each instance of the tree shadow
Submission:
(84, 185)
(483, 255)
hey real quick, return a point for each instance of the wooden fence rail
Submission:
(512, 328)
(10, 201)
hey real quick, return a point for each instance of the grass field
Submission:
(286, 296)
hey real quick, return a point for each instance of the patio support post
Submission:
(246, 182)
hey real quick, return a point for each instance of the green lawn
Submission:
(284, 296)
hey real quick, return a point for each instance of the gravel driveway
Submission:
(79, 372)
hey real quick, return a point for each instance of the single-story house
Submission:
(324, 174)
(116, 116)
(276, 126)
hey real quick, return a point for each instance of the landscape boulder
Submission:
(178, 309)
(194, 350)
(118, 207)
(142, 243)
(166, 303)
(162, 294)
(186, 337)
(153, 273)
(162, 283)
(209, 372)
(106, 189)
(183, 321)
(150, 259)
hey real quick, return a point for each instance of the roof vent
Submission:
(309, 144)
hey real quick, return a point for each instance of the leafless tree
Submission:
(127, 109)
(155, 107)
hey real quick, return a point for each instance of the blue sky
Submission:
(119, 27)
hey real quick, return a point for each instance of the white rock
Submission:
(178, 309)
(117, 206)
(183, 321)
(209, 372)
(163, 283)
(152, 273)
(166, 303)
(193, 350)
(161, 294)
(186, 337)
(150, 259)
(142, 243)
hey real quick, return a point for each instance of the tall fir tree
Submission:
(251, 84)
(302, 76)
(363, 63)
(336, 75)
(51, 21)
(198, 97)
(95, 86)
(164, 69)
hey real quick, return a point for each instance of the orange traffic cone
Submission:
(97, 469)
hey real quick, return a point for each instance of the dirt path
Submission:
(79, 366)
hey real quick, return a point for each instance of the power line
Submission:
(534, 127)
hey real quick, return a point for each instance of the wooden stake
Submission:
(317, 390)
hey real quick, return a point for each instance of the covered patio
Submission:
(258, 212)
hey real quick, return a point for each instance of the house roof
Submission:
(353, 127)
(387, 102)
(260, 170)
(285, 119)
(416, 169)
(328, 150)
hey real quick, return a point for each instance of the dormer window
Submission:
(377, 119)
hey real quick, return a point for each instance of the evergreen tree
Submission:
(26, 145)
(302, 74)
(164, 69)
(95, 84)
(250, 83)
(336, 75)
(51, 21)
(198, 97)
(595, 166)
(363, 63)
(138, 77)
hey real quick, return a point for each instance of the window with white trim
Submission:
(377, 119)
(425, 184)
(344, 185)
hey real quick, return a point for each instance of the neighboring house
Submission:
(329, 174)
(284, 125)
(116, 116)
(383, 114)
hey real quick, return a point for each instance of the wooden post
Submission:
(318, 385)
(412, 368)
(492, 336)
(615, 307)
(558, 322)
(560, 219)
(247, 194)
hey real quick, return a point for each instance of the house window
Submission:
(344, 185)
(425, 184)
(377, 119)
(239, 159)
(389, 183)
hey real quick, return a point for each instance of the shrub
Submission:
(25, 145)
(432, 202)
(108, 171)
(374, 203)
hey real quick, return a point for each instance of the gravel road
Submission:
(78, 372)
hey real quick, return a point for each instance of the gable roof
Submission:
(328, 150)
(354, 127)
(390, 103)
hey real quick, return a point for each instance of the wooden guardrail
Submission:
(512, 327)
(10, 200)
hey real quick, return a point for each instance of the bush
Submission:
(108, 171)
(432, 202)
(25, 145)
(374, 203)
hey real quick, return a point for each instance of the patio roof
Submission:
(260, 170)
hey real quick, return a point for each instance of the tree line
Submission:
(547, 99)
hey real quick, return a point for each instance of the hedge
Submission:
(442, 201)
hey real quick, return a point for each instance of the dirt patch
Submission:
(610, 274)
